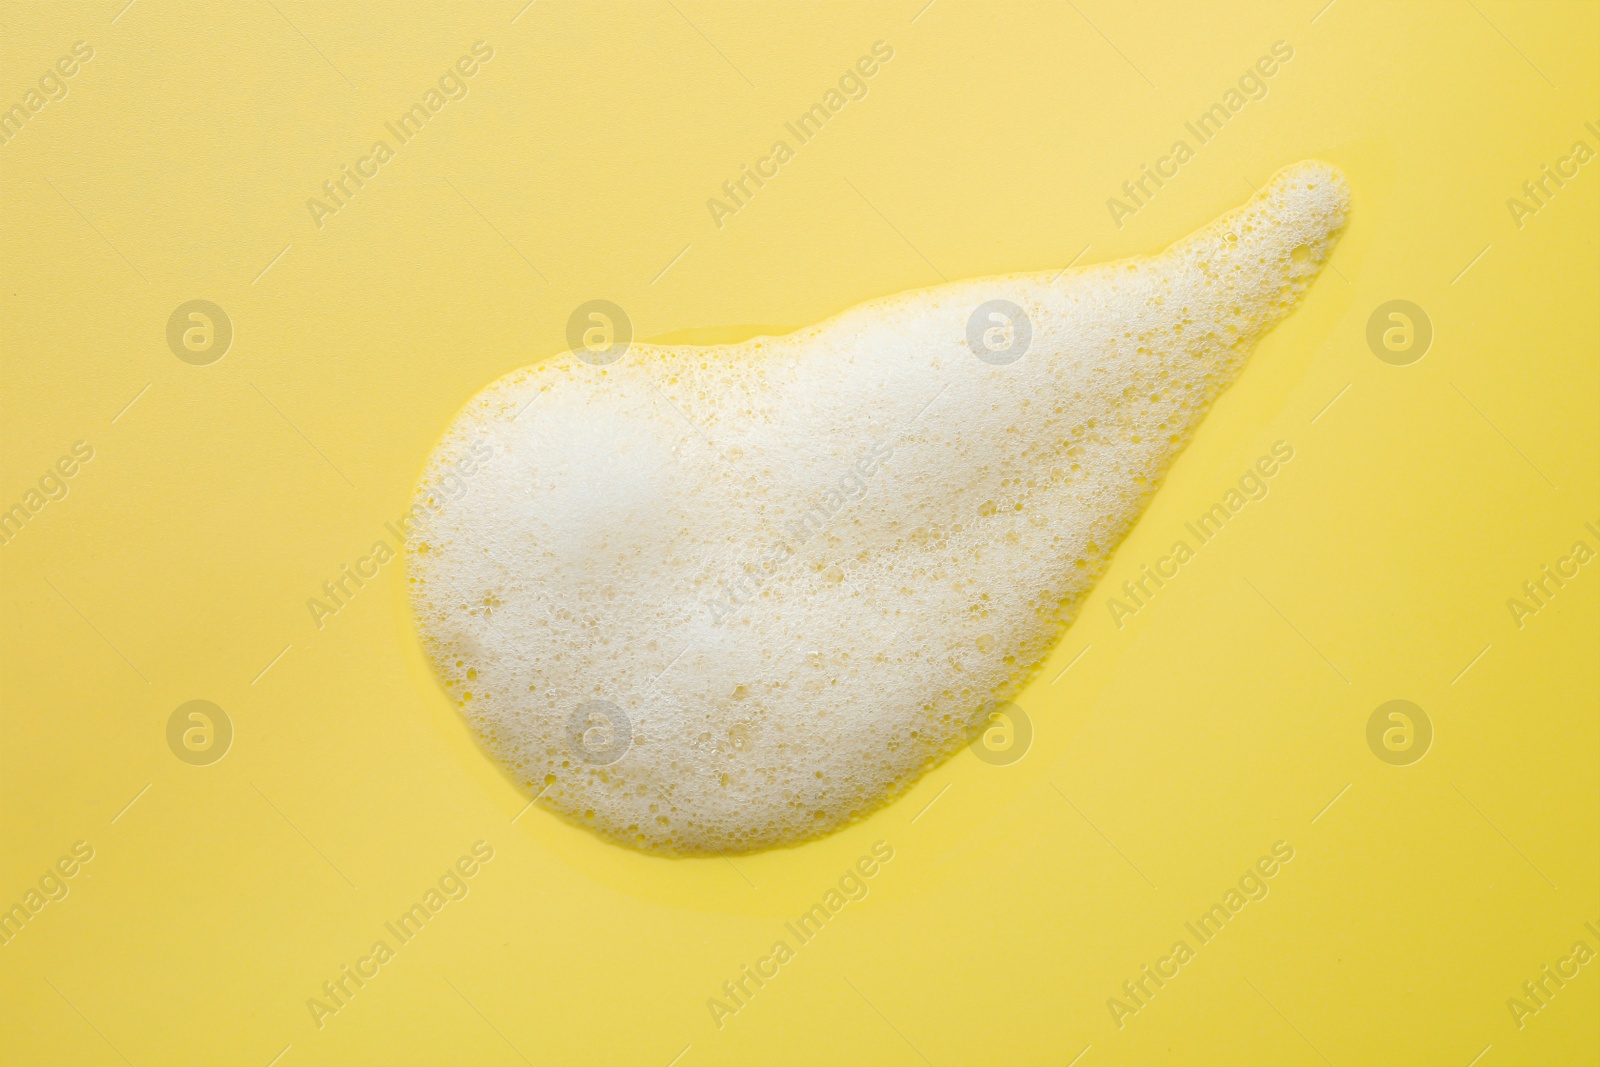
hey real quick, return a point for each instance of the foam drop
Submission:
(724, 598)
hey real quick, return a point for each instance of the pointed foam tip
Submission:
(1286, 231)
(1305, 203)
(1313, 189)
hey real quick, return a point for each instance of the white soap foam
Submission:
(724, 598)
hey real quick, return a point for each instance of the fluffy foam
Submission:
(724, 598)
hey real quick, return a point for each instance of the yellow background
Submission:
(1174, 752)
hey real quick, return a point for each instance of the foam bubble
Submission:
(725, 598)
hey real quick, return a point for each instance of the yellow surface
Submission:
(1224, 716)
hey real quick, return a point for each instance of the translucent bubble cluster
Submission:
(725, 598)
